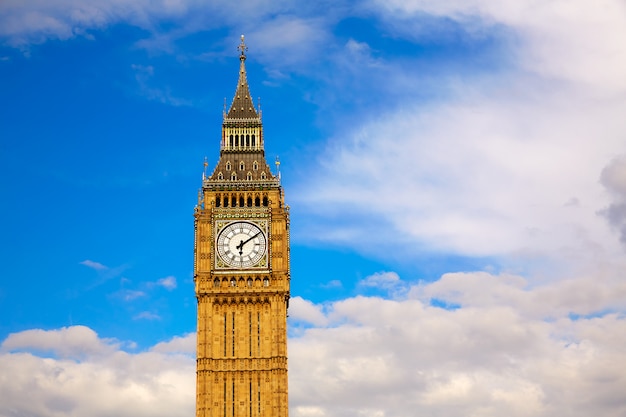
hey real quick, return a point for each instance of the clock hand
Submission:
(240, 245)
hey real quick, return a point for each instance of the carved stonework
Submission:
(242, 287)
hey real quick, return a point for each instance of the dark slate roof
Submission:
(242, 106)
(235, 159)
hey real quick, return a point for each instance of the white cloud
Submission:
(491, 169)
(383, 280)
(94, 265)
(147, 315)
(495, 354)
(184, 344)
(169, 282)
(101, 382)
(489, 358)
(75, 341)
(301, 310)
(129, 295)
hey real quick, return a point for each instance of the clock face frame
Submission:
(241, 244)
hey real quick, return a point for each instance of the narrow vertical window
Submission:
(258, 333)
(264, 201)
(253, 140)
(250, 414)
(217, 201)
(233, 398)
(259, 396)
(250, 331)
(225, 398)
(257, 201)
(224, 336)
(241, 201)
(233, 337)
(249, 201)
(231, 141)
(236, 140)
(247, 140)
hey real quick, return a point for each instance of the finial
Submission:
(277, 163)
(243, 48)
(206, 164)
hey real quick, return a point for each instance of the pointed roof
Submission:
(242, 106)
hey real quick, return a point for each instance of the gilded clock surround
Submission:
(242, 309)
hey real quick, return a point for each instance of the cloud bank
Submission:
(504, 348)
(73, 372)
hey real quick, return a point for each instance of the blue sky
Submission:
(456, 173)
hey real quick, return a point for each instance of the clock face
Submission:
(241, 244)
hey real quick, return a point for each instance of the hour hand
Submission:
(240, 246)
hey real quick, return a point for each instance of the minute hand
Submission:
(240, 246)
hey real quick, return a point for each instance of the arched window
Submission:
(228, 166)
(266, 282)
(257, 201)
(233, 176)
(231, 141)
(225, 201)
(263, 175)
(247, 140)
(255, 165)
(236, 140)
(249, 176)
(218, 200)
(249, 282)
(233, 201)
(216, 283)
(242, 166)
(249, 201)
(241, 203)
(253, 141)
(265, 201)
(220, 176)
(233, 282)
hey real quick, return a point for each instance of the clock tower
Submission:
(241, 273)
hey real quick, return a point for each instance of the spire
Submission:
(242, 106)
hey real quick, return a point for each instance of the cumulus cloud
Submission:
(490, 357)
(97, 380)
(301, 310)
(75, 341)
(508, 348)
(178, 344)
